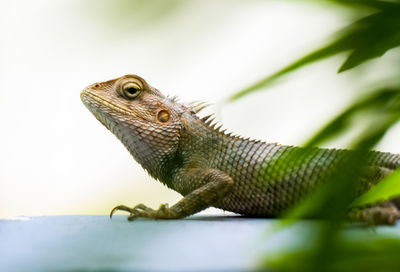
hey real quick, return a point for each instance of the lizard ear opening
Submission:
(163, 116)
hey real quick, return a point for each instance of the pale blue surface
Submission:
(97, 243)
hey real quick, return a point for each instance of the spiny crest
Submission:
(197, 106)
(205, 118)
(214, 125)
(173, 99)
(209, 120)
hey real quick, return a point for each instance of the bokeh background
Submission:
(55, 158)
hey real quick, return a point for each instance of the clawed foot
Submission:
(385, 217)
(140, 210)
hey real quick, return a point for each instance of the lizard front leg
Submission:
(210, 185)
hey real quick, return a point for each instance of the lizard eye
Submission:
(131, 90)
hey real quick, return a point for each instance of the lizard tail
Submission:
(385, 159)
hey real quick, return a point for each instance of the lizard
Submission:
(210, 167)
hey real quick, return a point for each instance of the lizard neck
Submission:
(142, 143)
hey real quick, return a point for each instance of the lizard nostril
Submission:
(97, 85)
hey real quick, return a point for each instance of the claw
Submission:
(120, 208)
(142, 210)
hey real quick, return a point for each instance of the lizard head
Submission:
(144, 120)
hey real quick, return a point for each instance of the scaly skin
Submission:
(211, 168)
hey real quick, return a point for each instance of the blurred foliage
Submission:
(367, 253)
(375, 32)
(132, 14)
(382, 106)
(384, 190)
(367, 38)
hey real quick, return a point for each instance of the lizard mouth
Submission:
(92, 101)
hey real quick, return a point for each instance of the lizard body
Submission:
(210, 167)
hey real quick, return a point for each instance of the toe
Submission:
(120, 208)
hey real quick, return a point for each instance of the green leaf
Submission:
(319, 54)
(375, 4)
(358, 252)
(376, 35)
(367, 38)
(380, 101)
(388, 188)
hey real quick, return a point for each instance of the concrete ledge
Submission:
(199, 243)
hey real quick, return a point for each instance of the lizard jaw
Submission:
(105, 112)
(88, 98)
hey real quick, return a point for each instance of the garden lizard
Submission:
(213, 168)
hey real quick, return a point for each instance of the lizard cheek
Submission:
(163, 116)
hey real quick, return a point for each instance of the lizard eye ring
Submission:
(130, 86)
(130, 90)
